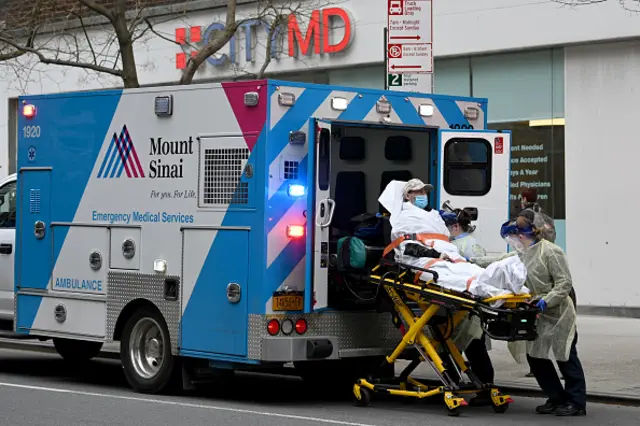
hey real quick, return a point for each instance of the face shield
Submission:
(510, 232)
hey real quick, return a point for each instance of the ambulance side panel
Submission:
(119, 188)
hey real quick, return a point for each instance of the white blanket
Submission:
(500, 278)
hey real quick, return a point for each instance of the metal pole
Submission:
(386, 59)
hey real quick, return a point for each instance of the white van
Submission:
(8, 203)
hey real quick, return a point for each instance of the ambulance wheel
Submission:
(76, 350)
(145, 350)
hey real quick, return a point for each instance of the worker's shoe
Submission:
(570, 410)
(548, 408)
(482, 399)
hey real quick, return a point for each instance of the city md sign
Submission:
(319, 38)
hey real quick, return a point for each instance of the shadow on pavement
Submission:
(106, 375)
(55, 370)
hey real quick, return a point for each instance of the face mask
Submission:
(421, 201)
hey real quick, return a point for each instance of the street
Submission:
(41, 389)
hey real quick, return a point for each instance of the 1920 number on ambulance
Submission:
(31, 132)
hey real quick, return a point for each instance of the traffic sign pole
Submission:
(386, 59)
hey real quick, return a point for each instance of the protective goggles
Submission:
(510, 228)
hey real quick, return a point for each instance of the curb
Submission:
(531, 392)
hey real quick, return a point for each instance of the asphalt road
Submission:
(41, 389)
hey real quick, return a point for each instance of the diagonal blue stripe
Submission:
(114, 153)
(282, 266)
(357, 110)
(285, 202)
(127, 152)
(296, 117)
(106, 157)
(118, 158)
(450, 111)
(406, 111)
(359, 107)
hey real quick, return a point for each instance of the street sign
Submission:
(394, 80)
(410, 45)
(410, 82)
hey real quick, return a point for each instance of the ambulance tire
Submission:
(166, 377)
(77, 350)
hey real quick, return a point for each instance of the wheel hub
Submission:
(146, 348)
(153, 348)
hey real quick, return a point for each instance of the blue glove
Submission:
(542, 305)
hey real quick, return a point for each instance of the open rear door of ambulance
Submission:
(320, 209)
(474, 175)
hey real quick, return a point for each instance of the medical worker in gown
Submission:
(459, 224)
(549, 281)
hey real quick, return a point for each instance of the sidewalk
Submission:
(609, 349)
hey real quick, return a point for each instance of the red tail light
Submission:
(295, 231)
(301, 326)
(273, 327)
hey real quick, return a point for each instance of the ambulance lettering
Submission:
(64, 283)
(160, 148)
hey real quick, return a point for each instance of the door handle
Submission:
(327, 208)
(6, 248)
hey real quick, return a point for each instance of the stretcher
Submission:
(427, 316)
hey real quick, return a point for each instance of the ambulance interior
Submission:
(363, 161)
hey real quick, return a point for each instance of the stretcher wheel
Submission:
(453, 412)
(365, 398)
(501, 408)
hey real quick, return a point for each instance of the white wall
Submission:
(473, 26)
(602, 147)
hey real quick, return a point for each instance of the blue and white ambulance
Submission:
(197, 225)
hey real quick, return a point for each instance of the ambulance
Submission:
(198, 225)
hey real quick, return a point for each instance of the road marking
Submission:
(183, 404)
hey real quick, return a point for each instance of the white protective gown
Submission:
(505, 277)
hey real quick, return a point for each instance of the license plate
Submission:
(288, 303)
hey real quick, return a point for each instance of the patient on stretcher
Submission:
(432, 250)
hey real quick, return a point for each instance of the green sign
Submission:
(394, 80)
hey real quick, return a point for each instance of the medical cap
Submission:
(415, 185)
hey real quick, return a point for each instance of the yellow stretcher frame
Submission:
(430, 298)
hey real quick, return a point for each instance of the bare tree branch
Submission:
(219, 40)
(86, 36)
(630, 5)
(279, 20)
(51, 61)
(108, 46)
(129, 71)
(100, 9)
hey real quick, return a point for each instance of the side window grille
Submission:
(291, 170)
(223, 169)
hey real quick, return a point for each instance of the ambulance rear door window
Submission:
(467, 166)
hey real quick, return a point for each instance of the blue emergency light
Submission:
(295, 190)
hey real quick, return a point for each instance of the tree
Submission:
(99, 36)
(631, 5)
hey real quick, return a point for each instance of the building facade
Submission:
(558, 77)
